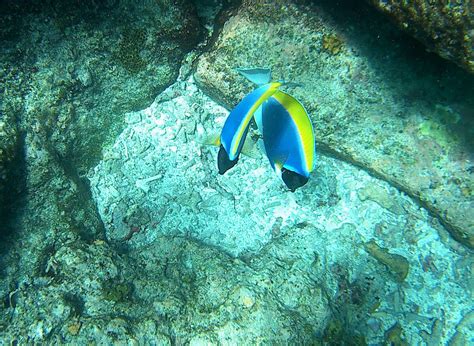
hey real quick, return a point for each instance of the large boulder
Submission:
(360, 91)
(446, 28)
(114, 58)
(69, 72)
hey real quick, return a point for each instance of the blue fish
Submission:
(286, 129)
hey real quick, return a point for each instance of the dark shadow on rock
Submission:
(14, 196)
(387, 47)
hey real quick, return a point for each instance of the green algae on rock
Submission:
(117, 291)
(397, 265)
(332, 43)
(393, 336)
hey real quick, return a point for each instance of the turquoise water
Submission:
(116, 227)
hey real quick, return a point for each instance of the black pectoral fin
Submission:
(223, 161)
(292, 179)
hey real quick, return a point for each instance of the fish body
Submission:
(237, 124)
(288, 138)
(286, 129)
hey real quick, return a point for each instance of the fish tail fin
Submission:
(292, 179)
(211, 139)
(224, 163)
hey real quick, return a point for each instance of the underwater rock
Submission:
(141, 195)
(393, 336)
(115, 57)
(69, 72)
(434, 337)
(87, 299)
(65, 289)
(396, 264)
(446, 28)
(367, 107)
(160, 182)
(379, 195)
(463, 331)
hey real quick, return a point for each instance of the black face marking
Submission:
(292, 179)
(223, 161)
